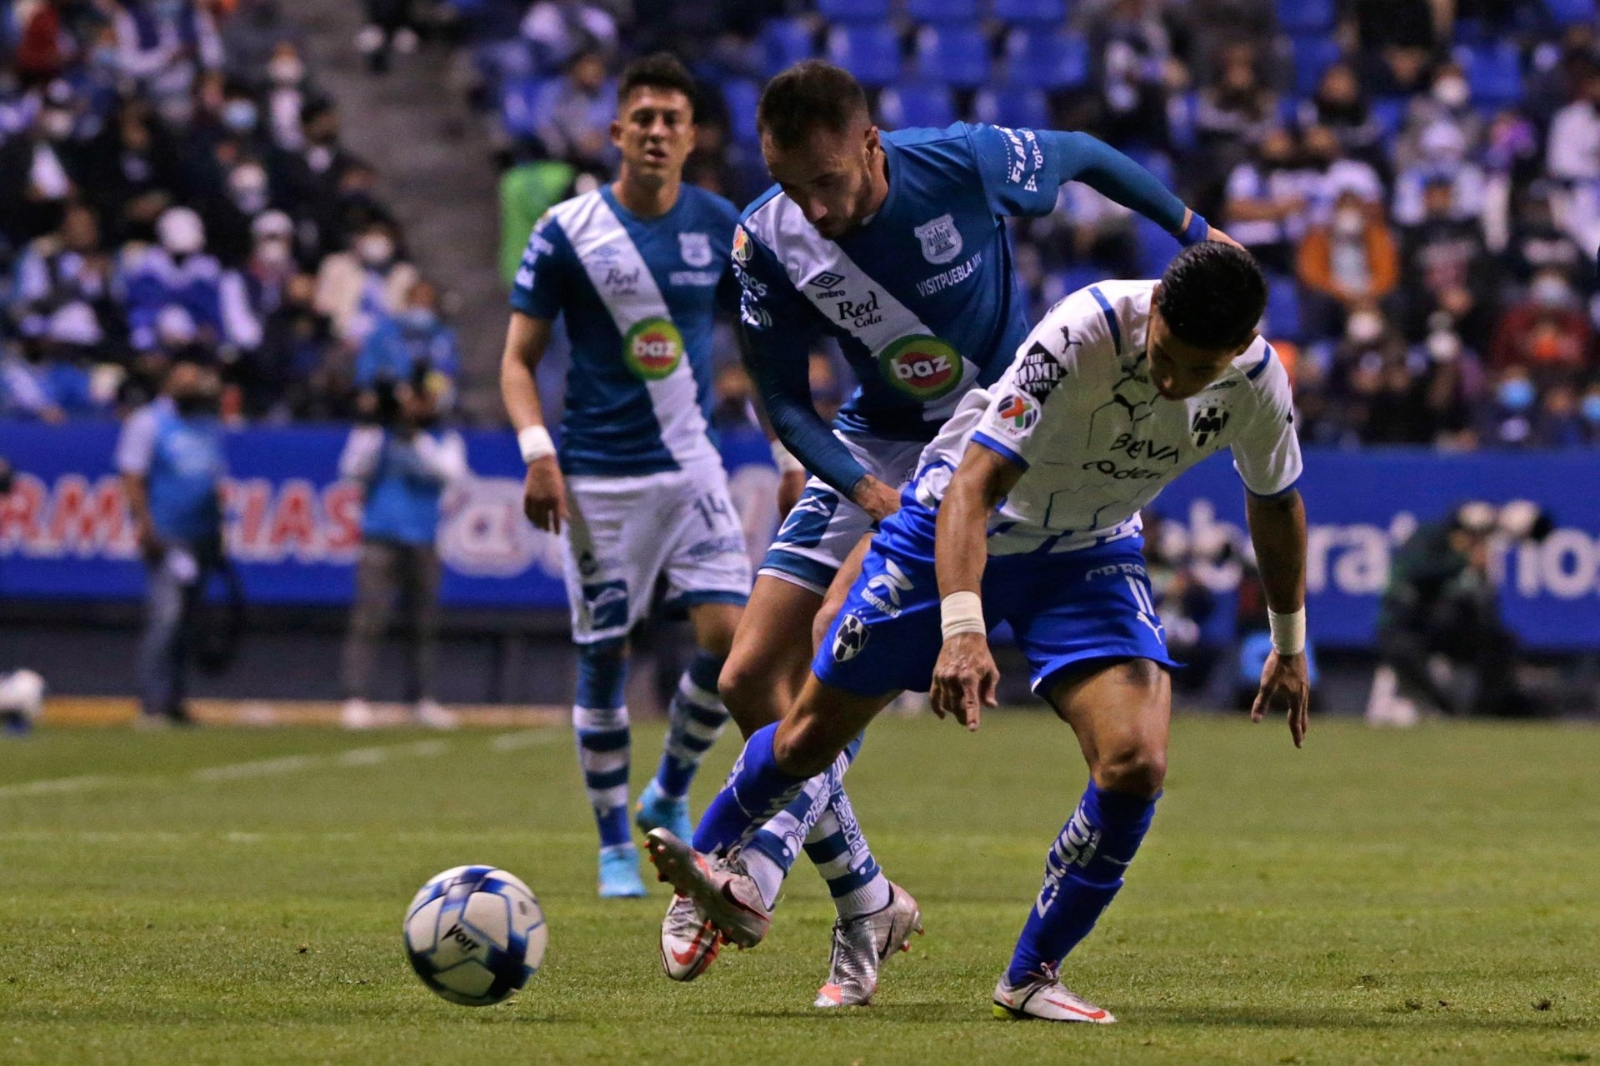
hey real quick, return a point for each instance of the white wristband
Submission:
(535, 444)
(1288, 631)
(786, 463)
(961, 612)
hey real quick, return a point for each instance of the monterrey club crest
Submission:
(850, 638)
(696, 249)
(941, 241)
(1018, 413)
(653, 348)
(924, 368)
(1208, 422)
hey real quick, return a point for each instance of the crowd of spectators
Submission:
(173, 188)
(1421, 178)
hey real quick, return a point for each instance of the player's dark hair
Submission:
(809, 96)
(1212, 295)
(659, 71)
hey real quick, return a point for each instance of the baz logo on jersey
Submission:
(941, 240)
(924, 368)
(695, 249)
(653, 348)
(1208, 423)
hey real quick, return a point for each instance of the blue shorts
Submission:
(1064, 608)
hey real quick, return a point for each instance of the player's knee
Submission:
(1136, 766)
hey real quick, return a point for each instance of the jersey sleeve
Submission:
(540, 286)
(136, 446)
(1023, 171)
(1052, 353)
(1267, 451)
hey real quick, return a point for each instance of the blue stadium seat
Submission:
(912, 104)
(741, 95)
(517, 107)
(1570, 12)
(1494, 71)
(871, 53)
(786, 42)
(954, 55)
(1313, 55)
(1389, 112)
(1305, 17)
(1156, 247)
(1031, 12)
(859, 11)
(1014, 105)
(1048, 61)
(944, 12)
(1283, 308)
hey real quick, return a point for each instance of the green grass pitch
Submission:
(235, 896)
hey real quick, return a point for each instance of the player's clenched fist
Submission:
(965, 679)
(544, 495)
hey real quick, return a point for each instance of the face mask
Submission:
(1549, 291)
(249, 188)
(1451, 92)
(286, 70)
(1348, 223)
(1516, 394)
(420, 318)
(375, 250)
(239, 116)
(1590, 408)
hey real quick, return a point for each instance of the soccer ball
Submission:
(475, 934)
(21, 700)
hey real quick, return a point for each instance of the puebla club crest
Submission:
(695, 248)
(941, 241)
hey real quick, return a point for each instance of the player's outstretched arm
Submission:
(1278, 531)
(965, 679)
(544, 494)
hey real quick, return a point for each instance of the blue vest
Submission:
(186, 469)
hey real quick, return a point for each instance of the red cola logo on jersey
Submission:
(653, 348)
(925, 368)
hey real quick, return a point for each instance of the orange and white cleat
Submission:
(719, 886)
(1044, 997)
(862, 945)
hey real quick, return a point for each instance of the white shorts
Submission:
(824, 527)
(628, 537)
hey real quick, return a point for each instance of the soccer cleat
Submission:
(1043, 996)
(656, 810)
(689, 943)
(619, 873)
(431, 714)
(726, 895)
(357, 714)
(862, 945)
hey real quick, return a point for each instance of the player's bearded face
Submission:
(654, 131)
(1179, 370)
(832, 177)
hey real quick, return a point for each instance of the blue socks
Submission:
(756, 790)
(601, 722)
(1082, 874)
(697, 717)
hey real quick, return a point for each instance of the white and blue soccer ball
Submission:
(475, 934)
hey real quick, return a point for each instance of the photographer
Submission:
(1441, 601)
(171, 462)
(405, 462)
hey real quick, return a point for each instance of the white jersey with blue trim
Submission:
(1097, 442)
(639, 298)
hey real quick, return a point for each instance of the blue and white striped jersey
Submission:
(639, 296)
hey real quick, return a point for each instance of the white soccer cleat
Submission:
(862, 945)
(357, 714)
(432, 714)
(1043, 996)
(726, 895)
(689, 942)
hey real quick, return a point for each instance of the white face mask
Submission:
(375, 249)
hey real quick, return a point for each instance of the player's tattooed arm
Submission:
(965, 679)
(544, 494)
(1278, 532)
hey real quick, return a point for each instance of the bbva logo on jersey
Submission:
(695, 248)
(941, 240)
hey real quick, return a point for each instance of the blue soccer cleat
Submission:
(658, 811)
(619, 873)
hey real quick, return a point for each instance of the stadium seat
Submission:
(1570, 12)
(871, 53)
(1494, 71)
(1045, 60)
(1014, 105)
(853, 11)
(957, 56)
(1283, 308)
(741, 95)
(1042, 13)
(1313, 55)
(1306, 17)
(944, 12)
(1389, 112)
(912, 104)
(517, 107)
(785, 42)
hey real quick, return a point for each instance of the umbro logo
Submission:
(826, 280)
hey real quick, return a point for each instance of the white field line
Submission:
(353, 758)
